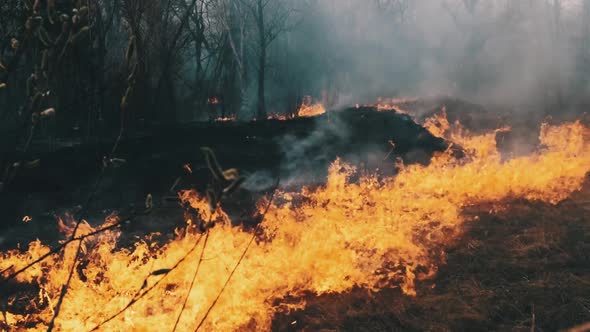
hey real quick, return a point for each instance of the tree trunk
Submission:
(261, 112)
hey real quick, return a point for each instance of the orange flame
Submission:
(393, 104)
(438, 125)
(371, 233)
(311, 110)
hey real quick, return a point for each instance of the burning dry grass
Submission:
(521, 267)
(393, 104)
(371, 234)
(306, 110)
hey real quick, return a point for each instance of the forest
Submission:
(294, 165)
(103, 64)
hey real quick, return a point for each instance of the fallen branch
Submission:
(58, 249)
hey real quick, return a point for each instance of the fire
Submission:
(226, 119)
(438, 125)
(307, 109)
(213, 101)
(278, 116)
(390, 107)
(371, 233)
(311, 110)
(393, 104)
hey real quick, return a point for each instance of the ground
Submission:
(519, 265)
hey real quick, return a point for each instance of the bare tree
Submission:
(233, 15)
(270, 18)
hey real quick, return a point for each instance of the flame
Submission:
(393, 104)
(390, 107)
(311, 110)
(307, 109)
(278, 116)
(371, 233)
(226, 119)
(27, 219)
(438, 125)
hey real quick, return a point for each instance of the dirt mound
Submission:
(299, 150)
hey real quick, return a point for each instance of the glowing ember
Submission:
(188, 168)
(372, 233)
(226, 119)
(277, 116)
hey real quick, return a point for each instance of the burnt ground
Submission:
(298, 151)
(526, 266)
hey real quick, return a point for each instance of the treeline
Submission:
(125, 61)
(99, 65)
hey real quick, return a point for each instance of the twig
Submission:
(139, 295)
(65, 287)
(258, 227)
(218, 175)
(6, 269)
(58, 249)
(190, 289)
(4, 305)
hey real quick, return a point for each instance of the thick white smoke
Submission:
(526, 52)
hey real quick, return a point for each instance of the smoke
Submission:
(259, 181)
(305, 158)
(499, 51)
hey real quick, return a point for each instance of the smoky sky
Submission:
(501, 51)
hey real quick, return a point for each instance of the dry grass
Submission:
(524, 269)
